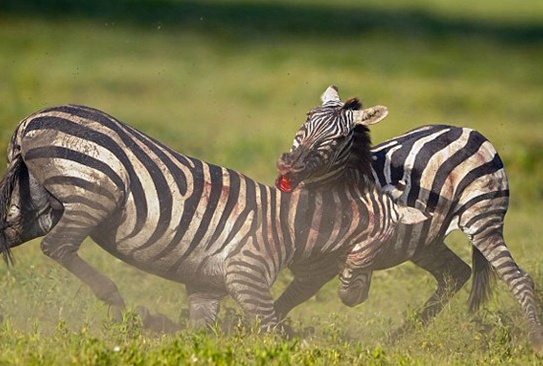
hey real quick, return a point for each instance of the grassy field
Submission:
(230, 82)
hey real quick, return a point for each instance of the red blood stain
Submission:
(283, 184)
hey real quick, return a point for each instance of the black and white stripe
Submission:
(455, 175)
(75, 172)
(321, 159)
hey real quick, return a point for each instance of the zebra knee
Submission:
(202, 315)
(59, 253)
(50, 250)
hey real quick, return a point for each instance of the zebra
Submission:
(452, 173)
(76, 172)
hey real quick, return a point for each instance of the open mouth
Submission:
(285, 184)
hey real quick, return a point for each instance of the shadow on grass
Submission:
(247, 20)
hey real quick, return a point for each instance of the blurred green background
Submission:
(230, 81)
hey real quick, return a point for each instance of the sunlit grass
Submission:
(233, 93)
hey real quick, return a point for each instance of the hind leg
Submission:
(492, 246)
(62, 244)
(450, 272)
(33, 212)
(482, 222)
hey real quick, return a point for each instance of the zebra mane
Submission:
(352, 104)
(360, 156)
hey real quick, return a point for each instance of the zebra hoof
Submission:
(285, 330)
(115, 313)
(536, 339)
(399, 333)
(159, 323)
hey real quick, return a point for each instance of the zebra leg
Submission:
(203, 308)
(450, 272)
(62, 244)
(156, 322)
(492, 246)
(247, 283)
(307, 281)
(482, 222)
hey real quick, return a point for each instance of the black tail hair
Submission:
(483, 279)
(6, 188)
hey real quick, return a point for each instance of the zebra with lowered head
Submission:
(75, 172)
(452, 173)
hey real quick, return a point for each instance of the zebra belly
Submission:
(410, 240)
(392, 256)
(166, 256)
(206, 272)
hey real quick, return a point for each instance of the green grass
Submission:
(230, 82)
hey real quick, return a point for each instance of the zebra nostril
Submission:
(283, 166)
(292, 162)
(287, 159)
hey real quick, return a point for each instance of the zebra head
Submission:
(322, 146)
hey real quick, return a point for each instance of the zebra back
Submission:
(174, 215)
(444, 170)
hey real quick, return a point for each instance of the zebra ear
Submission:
(411, 215)
(330, 95)
(370, 116)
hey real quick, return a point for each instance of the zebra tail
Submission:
(483, 279)
(6, 188)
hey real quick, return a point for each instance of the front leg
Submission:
(354, 285)
(308, 280)
(203, 307)
(247, 281)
